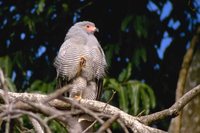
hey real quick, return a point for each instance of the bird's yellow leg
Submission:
(78, 97)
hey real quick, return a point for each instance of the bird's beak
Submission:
(96, 29)
(92, 29)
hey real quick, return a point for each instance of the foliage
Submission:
(56, 127)
(134, 96)
(151, 35)
(6, 66)
(44, 87)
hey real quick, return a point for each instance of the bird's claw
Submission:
(77, 97)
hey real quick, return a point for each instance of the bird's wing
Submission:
(99, 63)
(67, 62)
(99, 83)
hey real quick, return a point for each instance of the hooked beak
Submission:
(96, 29)
(93, 29)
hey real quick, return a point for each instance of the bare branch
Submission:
(74, 126)
(86, 110)
(57, 93)
(128, 120)
(108, 123)
(123, 126)
(131, 122)
(108, 130)
(90, 126)
(8, 124)
(110, 98)
(174, 109)
(17, 111)
(36, 125)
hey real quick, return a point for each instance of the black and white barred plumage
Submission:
(81, 60)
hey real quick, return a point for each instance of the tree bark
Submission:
(175, 124)
(35, 102)
(190, 122)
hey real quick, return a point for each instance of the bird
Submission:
(80, 58)
(81, 62)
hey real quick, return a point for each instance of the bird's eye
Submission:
(88, 26)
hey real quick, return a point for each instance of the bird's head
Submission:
(87, 26)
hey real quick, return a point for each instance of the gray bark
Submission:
(191, 113)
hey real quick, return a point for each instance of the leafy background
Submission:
(144, 42)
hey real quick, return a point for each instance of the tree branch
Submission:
(108, 123)
(134, 123)
(174, 109)
(176, 123)
(36, 125)
(130, 121)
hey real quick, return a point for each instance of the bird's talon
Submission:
(78, 98)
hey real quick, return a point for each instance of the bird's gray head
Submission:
(86, 26)
(81, 29)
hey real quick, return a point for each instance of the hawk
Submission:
(81, 62)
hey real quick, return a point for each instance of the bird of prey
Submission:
(81, 62)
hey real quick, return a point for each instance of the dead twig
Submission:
(41, 122)
(38, 128)
(93, 123)
(57, 93)
(86, 110)
(108, 123)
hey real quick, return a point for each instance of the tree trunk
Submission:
(190, 122)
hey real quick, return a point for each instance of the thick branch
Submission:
(130, 121)
(174, 109)
(34, 98)
(176, 123)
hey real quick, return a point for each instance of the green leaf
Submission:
(122, 75)
(141, 97)
(129, 71)
(110, 51)
(18, 59)
(134, 98)
(139, 55)
(145, 100)
(143, 54)
(141, 25)
(114, 84)
(10, 84)
(151, 94)
(126, 22)
(41, 6)
(57, 127)
(106, 95)
(41, 86)
(30, 23)
(123, 100)
(35, 85)
(125, 74)
(6, 65)
(65, 7)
